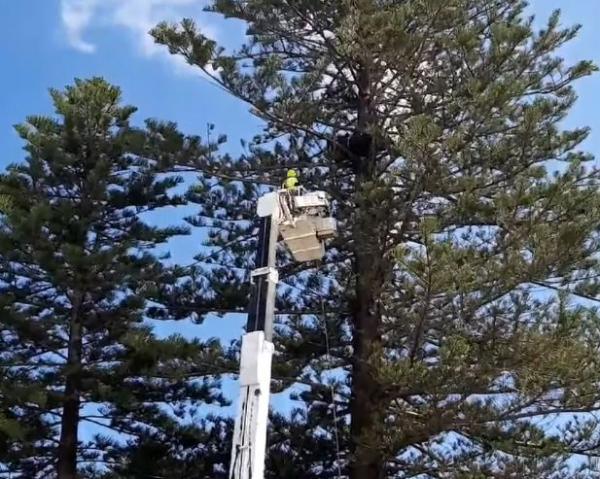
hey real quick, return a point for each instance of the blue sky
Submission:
(50, 42)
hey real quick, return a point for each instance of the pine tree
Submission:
(4, 204)
(78, 274)
(198, 451)
(463, 207)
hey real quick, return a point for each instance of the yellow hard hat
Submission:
(292, 174)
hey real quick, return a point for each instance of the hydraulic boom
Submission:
(303, 220)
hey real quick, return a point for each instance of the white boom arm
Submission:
(304, 228)
(250, 434)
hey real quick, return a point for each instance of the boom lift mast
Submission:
(303, 220)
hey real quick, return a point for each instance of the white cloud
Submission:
(136, 17)
(76, 16)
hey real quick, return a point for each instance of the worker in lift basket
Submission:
(290, 185)
(291, 181)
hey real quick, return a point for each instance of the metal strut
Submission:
(264, 280)
(250, 432)
(304, 227)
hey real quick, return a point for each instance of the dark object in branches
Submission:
(349, 150)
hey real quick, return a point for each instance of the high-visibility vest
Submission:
(290, 183)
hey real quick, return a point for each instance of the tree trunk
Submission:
(67, 448)
(366, 460)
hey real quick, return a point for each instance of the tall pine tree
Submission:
(77, 273)
(468, 225)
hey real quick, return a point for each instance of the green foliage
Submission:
(5, 204)
(456, 231)
(78, 271)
